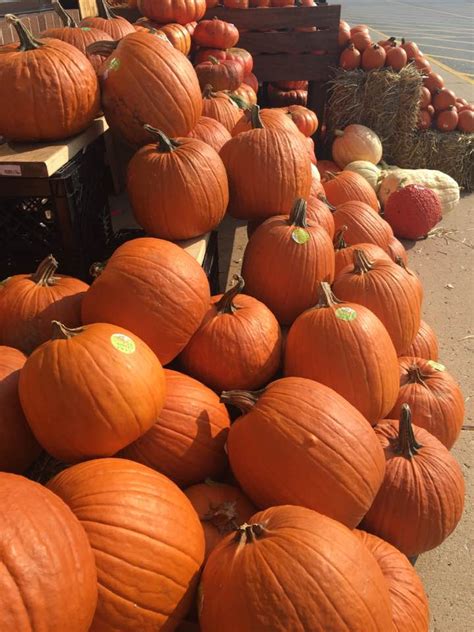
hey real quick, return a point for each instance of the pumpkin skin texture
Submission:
(148, 81)
(318, 211)
(397, 252)
(170, 290)
(220, 74)
(298, 424)
(238, 344)
(279, 547)
(425, 344)
(434, 397)
(362, 225)
(344, 254)
(114, 25)
(186, 443)
(18, 447)
(179, 37)
(410, 610)
(272, 118)
(221, 509)
(146, 537)
(348, 186)
(216, 33)
(268, 169)
(345, 347)
(104, 389)
(304, 119)
(421, 499)
(48, 576)
(177, 187)
(29, 302)
(166, 11)
(62, 96)
(219, 106)
(284, 262)
(387, 290)
(211, 132)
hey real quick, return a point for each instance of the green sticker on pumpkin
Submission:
(85, 28)
(346, 313)
(114, 64)
(300, 235)
(436, 365)
(123, 343)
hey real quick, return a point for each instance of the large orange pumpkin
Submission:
(346, 347)
(221, 509)
(91, 391)
(30, 302)
(177, 187)
(48, 575)
(300, 442)
(421, 499)
(434, 397)
(146, 537)
(219, 106)
(344, 254)
(186, 443)
(18, 447)
(44, 100)
(284, 262)
(268, 170)
(170, 294)
(272, 118)
(425, 344)
(238, 344)
(387, 290)
(211, 132)
(107, 21)
(362, 224)
(148, 81)
(292, 568)
(348, 186)
(410, 610)
(166, 11)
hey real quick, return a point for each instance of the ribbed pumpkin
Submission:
(29, 302)
(246, 94)
(177, 187)
(344, 254)
(238, 344)
(275, 560)
(346, 347)
(221, 74)
(216, 33)
(348, 186)
(367, 170)
(434, 397)
(18, 447)
(166, 11)
(300, 442)
(170, 294)
(422, 496)
(267, 169)
(284, 262)
(397, 251)
(146, 537)
(318, 211)
(45, 101)
(48, 577)
(148, 81)
(186, 443)
(211, 132)
(107, 21)
(78, 36)
(221, 509)
(219, 106)
(103, 387)
(387, 290)
(272, 118)
(363, 225)
(425, 344)
(304, 119)
(356, 142)
(410, 610)
(179, 37)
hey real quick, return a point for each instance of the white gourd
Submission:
(367, 170)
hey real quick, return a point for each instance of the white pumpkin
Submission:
(315, 173)
(356, 142)
(367, 170)
(446, 187)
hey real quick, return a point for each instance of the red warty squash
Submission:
(211, 132)
(29, 302)
(425, 344)
(166, 11)
(147, 541)
(107, 21)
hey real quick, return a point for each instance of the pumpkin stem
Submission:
(298, 214)
(223, 516)
(104, 11)
(64, 16)
(27, 41)
(225, 304)
(104, 48)
(248, 533)
(255, 119)
(339, 132)
(61, 332)
(214, 61)
(362, 263)
(323, 198)
(326, 297)
(408, 446)
(339, 241)
(44, 274)
(415, 376)
(245, 400)
(97, 268)
(207, 92)
(165, 145)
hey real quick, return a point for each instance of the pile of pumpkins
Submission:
(295, 449)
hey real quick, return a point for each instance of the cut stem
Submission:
(27, 41)
(415, 376)
(407, 446)
(225, 305)
(298, 214)
(44, 274)
(255, 119)
(362, 263)
(339, 241)
(244, 400)
(61, 332)
(104, 11)
(104, 48)
(248, 533)
(165, 145)
(326, 297)
(64, 16)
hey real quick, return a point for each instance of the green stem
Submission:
(255, 119)
(244, 400)
(298, 214)
(27, 41)
(225, 305)
(66, 19)
(407, 446)
(44, 274)
(165, 145)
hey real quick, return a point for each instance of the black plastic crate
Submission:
(66, 215)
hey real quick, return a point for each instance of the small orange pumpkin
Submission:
(350, 58)
(373, 57)
(396, 58)
(447, 120)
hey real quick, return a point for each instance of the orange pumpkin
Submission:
(434, 397)
(433, 82)
(425, 344)
(466, 121)
(49, 579)
(344, 253)
(29, 302)
(272, 118)
(397, 251)
(284, 262)
(373, 57)
(18, 447)
(166, 11)
(294, 423)
(221, 509)
(350, 58)
(304, 119)
(170, 294)
(147, 541)
(349, 186)
(246, 94)
(220, 74)
(107, 21)
(443, 99)
(410, 48)
(346, 347)
(344, 34)
(396, 58)
(211, 132)
(447, 120)
(224, 353)
(179, 37)
(282, 98)
(219, 106)
(318, 211)
(363, 225)
(216, 33)
(361, 40)
(196, 198)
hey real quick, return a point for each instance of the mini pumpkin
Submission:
(216, 33)
(221, 75)
(166, 11)
(373, 57)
